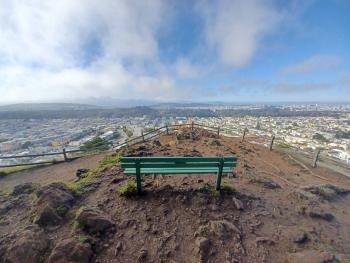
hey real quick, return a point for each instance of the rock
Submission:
(311, 256)
(224, 229)
(267, 183)
(80, 172)
(203, 245)
(25, 188)
(142, 256)
(54, 200)
(118, 248)
(320, 214)
(71, 251)
(157, 143)
(94, 220)
(214, 142)
(47, 216)
(28, 246)
(265, 240)
(299, 237)
(238, 203)
(327, 191)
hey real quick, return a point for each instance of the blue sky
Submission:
(226, 50)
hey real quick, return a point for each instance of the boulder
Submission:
(94, 220)
(28, 246)
(54, 201)
(203, 245)
(267, 183)
(25, 188)
(238, 203)
(71, 251)
(224, 229)
(320, 214)
(327, 191)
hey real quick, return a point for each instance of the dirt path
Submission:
(44, 175)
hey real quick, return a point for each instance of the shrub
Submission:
(129, 188)
(96, 143)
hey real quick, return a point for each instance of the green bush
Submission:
(96, 143)
(129, 188)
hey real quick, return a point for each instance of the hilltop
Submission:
(273, 209)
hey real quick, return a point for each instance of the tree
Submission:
(27, 145)
(320, 137)
(97, 143)
(127, 131)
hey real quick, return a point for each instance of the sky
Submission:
(174, 50)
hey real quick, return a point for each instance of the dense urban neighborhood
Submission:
(305, 133)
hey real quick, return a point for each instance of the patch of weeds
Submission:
(82, 238)
(75, 223)
(62, 210)
(84, 185)
(108, 162)
(2, 221)
(226, 186)
(128, 188)
(210, 190)
(41, 259)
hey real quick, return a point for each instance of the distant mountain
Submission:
(47, 107)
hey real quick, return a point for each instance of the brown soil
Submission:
(44, 175)
(274, 210)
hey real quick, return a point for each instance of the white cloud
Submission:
(185, 69)
(236, 28)
(75, 49)
(314, 63)
(113, 80)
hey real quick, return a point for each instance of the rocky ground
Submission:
(272, 209)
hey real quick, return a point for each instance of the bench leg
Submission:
(138, 183)
(219, 175)
(218, 181)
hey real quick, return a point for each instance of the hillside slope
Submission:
(274, 210)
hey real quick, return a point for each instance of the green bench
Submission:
(177, 165)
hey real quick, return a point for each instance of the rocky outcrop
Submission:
(327, 191)
(26, 188)
(93, 220)
(71, 251)
(54, 201)
(28, 246)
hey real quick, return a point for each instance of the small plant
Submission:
(76, 188)
(97, 143)
(129, 188)
(108, 161)
(209, 189)
(82, 238)
(226, 186)
(62, 210)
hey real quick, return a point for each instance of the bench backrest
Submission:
(178, 162)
